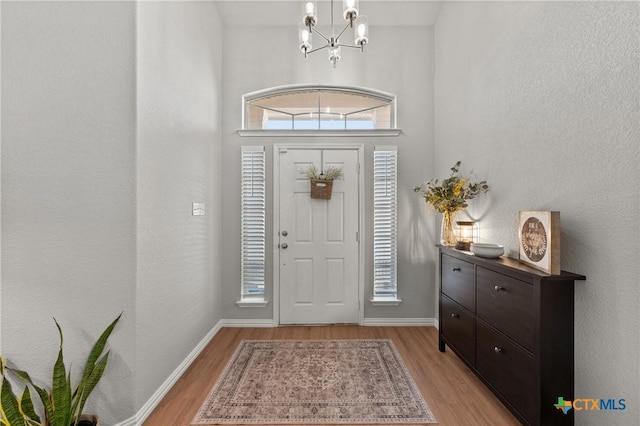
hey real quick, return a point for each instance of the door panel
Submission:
(335, 219)
(319, 261)
(303, 272)
(335, 281)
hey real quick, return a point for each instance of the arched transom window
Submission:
(319, 108)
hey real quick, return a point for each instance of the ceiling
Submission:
(289, 12)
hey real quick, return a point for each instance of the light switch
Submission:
(198, 209)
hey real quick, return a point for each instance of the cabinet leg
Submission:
(440, 344)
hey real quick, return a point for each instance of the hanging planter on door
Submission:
(322, 181)
(321, 189)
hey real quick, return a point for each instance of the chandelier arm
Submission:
(351, 46)
(318, 48)
(313, 30)
(345, 29)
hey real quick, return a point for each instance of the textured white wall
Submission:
(179, 162)
(542, 100)
(259, 57)
(68, 189)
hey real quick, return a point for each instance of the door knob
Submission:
(284, 245)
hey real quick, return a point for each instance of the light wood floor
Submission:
(456, 397)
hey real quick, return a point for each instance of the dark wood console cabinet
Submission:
(513, 326)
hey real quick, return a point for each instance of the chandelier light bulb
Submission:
(304, 39)
(334, 55)
(309, 8)
(362, 31)
(309, 13)
(350, 8)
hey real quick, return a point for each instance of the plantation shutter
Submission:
(253, 221)
(385, 217)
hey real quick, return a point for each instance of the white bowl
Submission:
(487, 250)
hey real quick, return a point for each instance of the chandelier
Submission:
(359, 24)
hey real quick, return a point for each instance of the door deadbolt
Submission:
(285, 233)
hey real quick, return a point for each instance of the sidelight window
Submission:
(253, 225)
(385, 229)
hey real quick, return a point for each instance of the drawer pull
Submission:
(456, 269)
(497, 350)
(498, 288)
(455, 316)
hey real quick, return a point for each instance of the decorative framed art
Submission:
(539, 237)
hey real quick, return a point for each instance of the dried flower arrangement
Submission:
(449, 197)
(329, 173)
(452, 194)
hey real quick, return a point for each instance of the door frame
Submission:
(277, 148)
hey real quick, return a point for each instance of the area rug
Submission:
(314, 382)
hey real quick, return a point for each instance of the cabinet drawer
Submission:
(458, 281)
(507, 304)
(508, 368)
(457, 326)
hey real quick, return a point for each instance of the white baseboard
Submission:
(380, 322)
(400, 322)
(246, 323)
(155, 399)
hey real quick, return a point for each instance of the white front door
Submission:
(318, 240)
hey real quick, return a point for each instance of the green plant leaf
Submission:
(93, 371)
(9, 405)
(60, 390)
(98, 348)
(45, 398)
(26, 406)
(88, 386)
